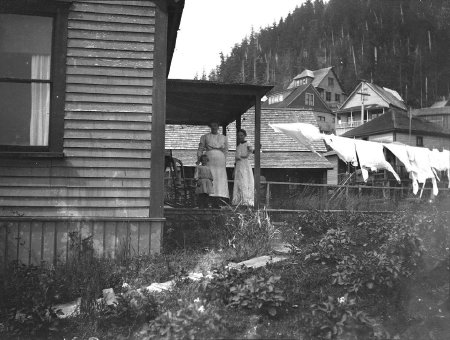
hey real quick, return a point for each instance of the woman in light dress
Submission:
(244, 184)
(215, 146)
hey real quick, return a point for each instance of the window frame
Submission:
(337, 97)
(328, 96)
(309, 99)
(330, 81)
(59, 11)
(419, 141)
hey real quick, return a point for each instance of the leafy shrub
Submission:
(246, 231)
(198, 320)
(27, 299)
(248, 289)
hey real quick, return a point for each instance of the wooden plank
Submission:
(111, 45)
(110, 182)
(24, 241)
(13, 241)
(111, 18)
(108, 26)
(61, 241)
(98, 240)
(109, 89)
(3, 244)
(49, 238)
(109, 80)
(109, 211)
(109, 54)
(108, 144)
(141, 3)
(110, 35)
(134, 238)
(110, 239)
(155, 237)
(109, 107)
(141, 11)
(144, 238)
(80, 172)
(109, 116)
(105, 135)
(108, 153)
(63, 192)
(108, 62)
(108, 125)
(36, 242)
(73, 239)
(72, 202)
(110, 71)
(122, 241)
(108, 99)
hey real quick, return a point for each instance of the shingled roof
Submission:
(278, 150)
(396, 120)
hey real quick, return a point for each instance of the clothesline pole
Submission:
(257, 150)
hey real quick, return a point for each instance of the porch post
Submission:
(257, 150)
(238, 127)
(224, 130)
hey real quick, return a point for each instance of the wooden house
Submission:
(367, 101)
(438, 113)
(303, 97)
(84, 99)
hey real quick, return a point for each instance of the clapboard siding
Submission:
(105, 171)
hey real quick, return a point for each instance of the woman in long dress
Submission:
(215, 146)
(244, 184)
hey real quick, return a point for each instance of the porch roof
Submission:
(197, 102)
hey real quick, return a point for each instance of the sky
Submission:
(209, 27)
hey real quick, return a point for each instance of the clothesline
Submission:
(421, 163)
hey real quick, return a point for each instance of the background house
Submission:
(369, 98)
(303, 97)
(438, 113)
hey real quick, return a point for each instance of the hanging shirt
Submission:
(371, 157)
(344, 147)
(420, 159)
(440, 161)
(400, 151)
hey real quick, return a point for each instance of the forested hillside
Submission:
(401, 44)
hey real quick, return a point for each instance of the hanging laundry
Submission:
(440, 161)
(420, 159)
(400, 151)
(344, 147)
(371, 157)
(303, 133)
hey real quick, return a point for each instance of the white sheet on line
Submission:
(303, 133)
(344, 147)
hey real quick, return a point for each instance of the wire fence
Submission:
(308, 196)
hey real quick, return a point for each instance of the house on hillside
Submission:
(326, 82)
(86, 84)
(282, 158)
(438, 113)
(370, 99)
(303, 97)
(395, 127)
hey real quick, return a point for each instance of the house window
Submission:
(309, 99)
(32, 75)
(328, 96)
(337, 97)
(330, 81)
(419, 141)
(321, 118)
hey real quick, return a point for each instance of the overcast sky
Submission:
(211, 26)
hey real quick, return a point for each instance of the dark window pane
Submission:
(24, 114)
(24, 38)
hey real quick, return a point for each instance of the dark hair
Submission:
(212, 122)
(243, 131)
(203, 157)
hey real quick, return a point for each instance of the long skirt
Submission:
(244, 184)
(217, 165)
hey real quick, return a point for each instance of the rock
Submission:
(159, 287)
(68, 309)
(109, 297)
(258, 262)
